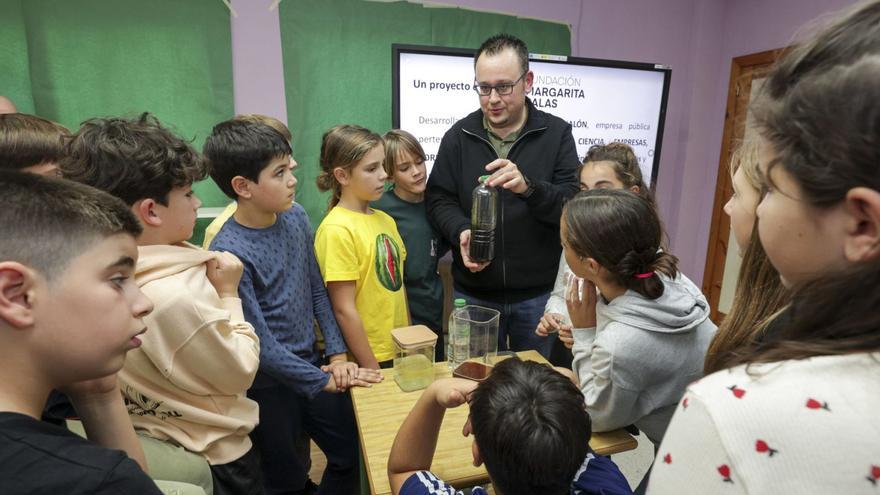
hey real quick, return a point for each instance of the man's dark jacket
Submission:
(527, 245)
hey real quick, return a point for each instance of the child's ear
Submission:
(241, 186)
(17, 294)
(147, 213)
(475, 451)
(593, 267)
(635, 189)
(863, 231)
(341, 176)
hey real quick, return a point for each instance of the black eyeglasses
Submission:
(501, 89)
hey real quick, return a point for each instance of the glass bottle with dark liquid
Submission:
(485, 204)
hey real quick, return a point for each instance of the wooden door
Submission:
(747, 73)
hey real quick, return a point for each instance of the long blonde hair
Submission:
(760, 295)
(342, 147)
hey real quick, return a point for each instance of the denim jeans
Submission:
(516, 328)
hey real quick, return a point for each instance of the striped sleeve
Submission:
(425, 483)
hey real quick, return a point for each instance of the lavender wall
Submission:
(698, 38)
(674, 32)
(257, 71)
(746, 26)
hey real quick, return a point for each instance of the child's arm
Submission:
(214, 350)
(276, 360)
(345, 374)
(610, 405)
(413, 448)
(334, 342)
(342, 296)
(105, 417)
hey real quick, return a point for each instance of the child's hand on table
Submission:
(346, 374)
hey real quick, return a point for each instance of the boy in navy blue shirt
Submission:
(283, 294)
(530, 428)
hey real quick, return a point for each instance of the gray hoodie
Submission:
(633, 367)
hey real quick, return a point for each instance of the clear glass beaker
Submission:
(483, 325)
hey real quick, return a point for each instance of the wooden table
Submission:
(380, 411)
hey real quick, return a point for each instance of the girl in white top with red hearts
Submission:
(799, 414)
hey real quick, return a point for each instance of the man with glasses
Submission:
(531, 159)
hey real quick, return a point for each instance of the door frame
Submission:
(719, 233)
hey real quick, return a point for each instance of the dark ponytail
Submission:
(638, 271)
(623, 233)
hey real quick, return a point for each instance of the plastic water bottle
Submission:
(485, 204)
(450, 347)
(461, 344)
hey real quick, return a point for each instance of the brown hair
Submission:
(833, 315)
(758, 299)
(28, 140)
(622, 232)
(132, 159)
(820, 109)
(342, 147)
(760, 295)
(47, 222)
(522, 408)
(398, 141)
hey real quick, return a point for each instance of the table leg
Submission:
(365, 481)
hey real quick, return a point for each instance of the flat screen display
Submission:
(603, 100)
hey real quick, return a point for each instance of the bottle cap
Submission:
(483, 179)
(460, 302)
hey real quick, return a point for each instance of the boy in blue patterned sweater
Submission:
(283, 294)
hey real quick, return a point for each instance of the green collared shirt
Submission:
(502, 146)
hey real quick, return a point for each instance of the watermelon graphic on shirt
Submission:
(388, 263)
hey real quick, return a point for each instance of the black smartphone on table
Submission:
(472, 371)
